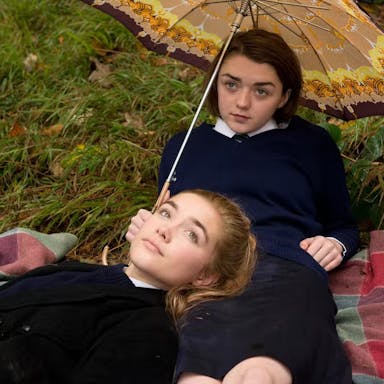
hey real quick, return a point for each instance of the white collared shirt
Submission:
(141, 284)
(222, 127)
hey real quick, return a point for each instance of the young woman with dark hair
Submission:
(288, 176)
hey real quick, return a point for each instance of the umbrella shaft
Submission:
(235, 26)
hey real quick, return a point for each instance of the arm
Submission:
(340, 237)
(141, 349)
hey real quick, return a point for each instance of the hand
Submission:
(327, 252)
(137, 222)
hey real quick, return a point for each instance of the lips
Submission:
(240, 118)
(152, 246)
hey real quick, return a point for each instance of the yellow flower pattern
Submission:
(316, 30)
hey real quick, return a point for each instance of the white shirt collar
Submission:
(141, 284)
(222, 127)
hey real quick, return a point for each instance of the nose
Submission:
(244, 99)
(164, 232)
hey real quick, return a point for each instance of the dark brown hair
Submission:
(264, 47)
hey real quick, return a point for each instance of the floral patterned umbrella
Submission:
(340, 49)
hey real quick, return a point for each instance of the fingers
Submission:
(333, 263)
(137, 222)
(327, 252)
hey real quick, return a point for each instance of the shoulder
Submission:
(315, 145)
(309, 132)
(49, 269)
(297, 123)
(201, 131)
(51, 272)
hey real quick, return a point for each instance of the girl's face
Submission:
(177, 243)
(248, 93)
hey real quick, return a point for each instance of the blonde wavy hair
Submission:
(233, 263)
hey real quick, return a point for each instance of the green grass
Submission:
(81, 156)
(100, 166)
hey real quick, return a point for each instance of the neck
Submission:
(134, 273)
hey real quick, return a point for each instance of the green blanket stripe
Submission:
(58, 243)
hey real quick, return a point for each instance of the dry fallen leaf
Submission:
(81, 118)
(189, 73)
(100, 74)
(30, 62)
(160, 61)
(133, 121)
(17, 130)
(56, 169)
(52, 130)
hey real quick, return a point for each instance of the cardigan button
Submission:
(26, 328)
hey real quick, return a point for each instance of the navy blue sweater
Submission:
(291, 183)
(84, 324)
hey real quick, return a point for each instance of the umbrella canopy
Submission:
(340, 49)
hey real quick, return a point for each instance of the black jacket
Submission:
(89, 333)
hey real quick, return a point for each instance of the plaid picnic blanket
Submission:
(23, 249)
(358, 289)
(357, 286)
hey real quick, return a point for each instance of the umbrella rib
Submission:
(255, 23)
(215, 2)
(278, 21)
(275, 2)
(315, 51)
(296, 5)
(190, 11)
(287, 14)
(256, 2)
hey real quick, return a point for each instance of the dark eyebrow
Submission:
(260, 84)
(171, 203)
(194, 221)
(232, 77)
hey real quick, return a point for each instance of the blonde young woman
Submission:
(82, 323)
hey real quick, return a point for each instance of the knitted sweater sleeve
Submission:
(334, 201)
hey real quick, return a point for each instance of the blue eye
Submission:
(261, 92)
(192, 236)
(231, 84)
(164, 213)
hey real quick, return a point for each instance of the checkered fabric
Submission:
(358, 289)
(23, 249)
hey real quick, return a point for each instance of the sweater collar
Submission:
(222, 127)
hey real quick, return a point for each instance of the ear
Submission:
(205, 279)
(285, 98)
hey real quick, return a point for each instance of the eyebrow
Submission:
(194, 221)
(260, 83)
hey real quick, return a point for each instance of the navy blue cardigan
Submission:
(82, 323)
(291, 183)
